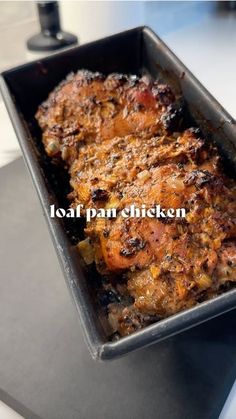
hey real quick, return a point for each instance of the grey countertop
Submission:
(46, 370)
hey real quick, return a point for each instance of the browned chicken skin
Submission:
(88, 107)
(122, 142)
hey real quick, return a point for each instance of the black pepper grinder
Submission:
(51, 37)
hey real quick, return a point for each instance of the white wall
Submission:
(94, 19)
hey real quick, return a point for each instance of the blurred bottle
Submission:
(51, 37)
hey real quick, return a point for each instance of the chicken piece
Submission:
(89, 107)
(119, 162)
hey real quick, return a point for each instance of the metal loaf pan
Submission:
(136, 51)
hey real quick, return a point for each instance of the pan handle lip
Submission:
(68, 50)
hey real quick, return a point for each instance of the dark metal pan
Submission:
(136, 51)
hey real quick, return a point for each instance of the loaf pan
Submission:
(136, 51)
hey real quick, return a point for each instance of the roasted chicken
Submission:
(125, 141)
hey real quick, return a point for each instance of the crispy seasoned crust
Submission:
(88, 108)
(123, 141)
